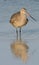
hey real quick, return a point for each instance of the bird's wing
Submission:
(15, 16)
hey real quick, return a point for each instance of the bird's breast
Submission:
(20, 22)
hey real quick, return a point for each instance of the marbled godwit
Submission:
(20, 19)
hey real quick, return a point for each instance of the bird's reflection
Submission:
(20, 49)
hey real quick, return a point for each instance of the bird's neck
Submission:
(23, 16)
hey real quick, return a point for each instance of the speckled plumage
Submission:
(19, 19)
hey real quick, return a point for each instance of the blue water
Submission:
(30, 32)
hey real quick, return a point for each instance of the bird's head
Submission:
(23, 11)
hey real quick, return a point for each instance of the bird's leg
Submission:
(20, 34)
(16, 34)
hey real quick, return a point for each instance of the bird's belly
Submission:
(20, 23)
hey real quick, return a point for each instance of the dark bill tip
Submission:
(33, 18)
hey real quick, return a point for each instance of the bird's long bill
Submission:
(33, 18)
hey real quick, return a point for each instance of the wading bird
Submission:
(20, 19)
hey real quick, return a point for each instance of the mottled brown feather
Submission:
(17, 21)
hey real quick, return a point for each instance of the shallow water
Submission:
(30, 32)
